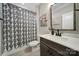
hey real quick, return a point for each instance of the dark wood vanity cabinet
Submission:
(47, 51)
(50, 48)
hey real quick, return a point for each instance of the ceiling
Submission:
(29, 6)
(32, 4)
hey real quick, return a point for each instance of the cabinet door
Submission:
(47, 51)
(53, 52)
(43, 49)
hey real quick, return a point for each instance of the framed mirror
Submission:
(63, 16)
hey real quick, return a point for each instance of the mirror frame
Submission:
(74, 17)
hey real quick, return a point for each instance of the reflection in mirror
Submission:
(63, 16)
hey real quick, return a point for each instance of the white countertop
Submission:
(70, 42)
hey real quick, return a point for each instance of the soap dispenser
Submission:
(52, 32)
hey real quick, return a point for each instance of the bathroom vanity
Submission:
(51, 45)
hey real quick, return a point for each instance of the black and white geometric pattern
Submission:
(19, 26)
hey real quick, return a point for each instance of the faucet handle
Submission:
(58, 30)
(58, 33)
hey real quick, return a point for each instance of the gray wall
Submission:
(44, 9)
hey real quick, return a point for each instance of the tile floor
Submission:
(28, 52)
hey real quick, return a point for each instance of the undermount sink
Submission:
(62, 38)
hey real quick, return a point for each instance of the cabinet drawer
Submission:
(47, 51)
